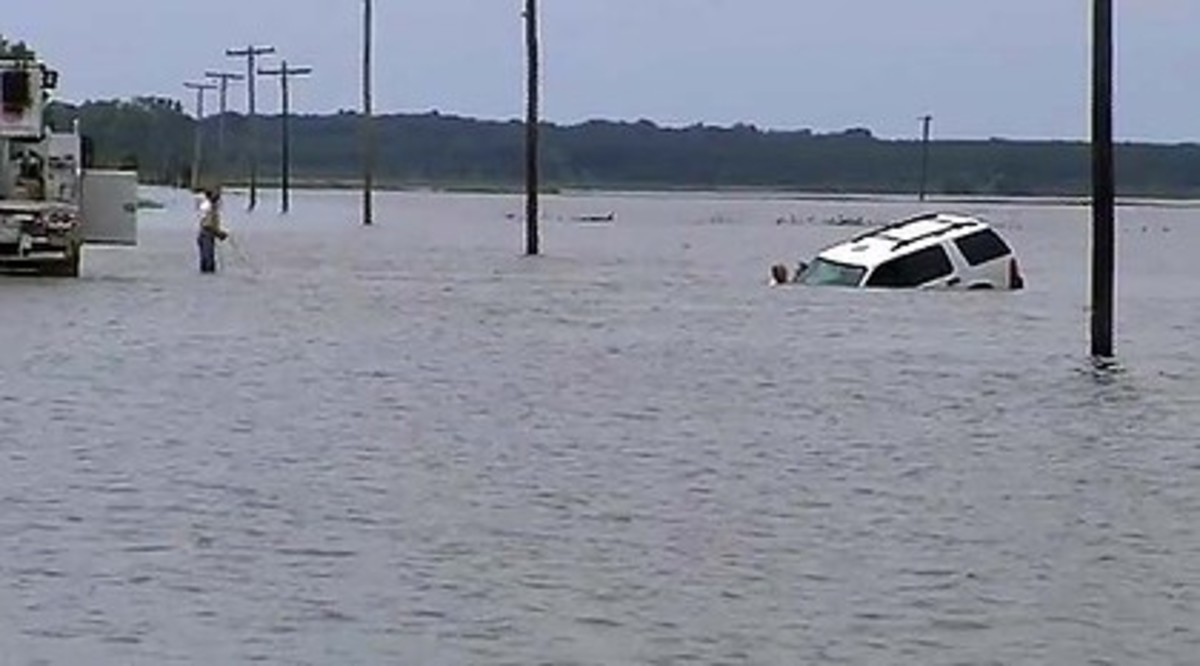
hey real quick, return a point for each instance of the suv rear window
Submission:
(912, 270)
(982, 247)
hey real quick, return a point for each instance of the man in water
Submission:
(780, 276)
(210, 230)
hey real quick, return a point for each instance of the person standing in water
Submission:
(210, 230)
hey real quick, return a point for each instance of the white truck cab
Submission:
(50, 205)
(932, 251)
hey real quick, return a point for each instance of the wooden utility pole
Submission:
(251, 54)
(285, 74)
(1103, 183)
(368, 119)
(532, 176)
(926, 127)
(198, 138)
(222, 79)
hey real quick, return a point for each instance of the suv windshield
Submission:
(828, 273)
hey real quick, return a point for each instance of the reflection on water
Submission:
(409, 444)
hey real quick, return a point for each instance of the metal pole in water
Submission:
(1103, 183)
(251, 53)
(198, 139)
(368, 129)
(531, 131)
(926, 123)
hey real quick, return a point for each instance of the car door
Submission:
(930, 267)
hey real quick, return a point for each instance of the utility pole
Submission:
(531, 130)
(198, 139)
(1103, 183)
(222, 79)
(285, 74)
(926, 126)
(251, 54)
(368, 128)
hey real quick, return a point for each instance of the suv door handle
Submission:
(953, 282)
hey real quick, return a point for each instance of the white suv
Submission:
(935, 251)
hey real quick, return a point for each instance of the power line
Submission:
(251, 54)
(198, 138)
(285, 74)
(223, 79)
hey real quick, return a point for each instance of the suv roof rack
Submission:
(950, 226)
(895, 225)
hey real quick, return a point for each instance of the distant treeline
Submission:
(155, 136)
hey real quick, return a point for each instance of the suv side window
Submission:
(982, 247)
(912, 270)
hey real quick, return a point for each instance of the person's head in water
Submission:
(779, 274)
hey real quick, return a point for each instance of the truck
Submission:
(52, 203)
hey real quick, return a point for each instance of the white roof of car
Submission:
(879, 245)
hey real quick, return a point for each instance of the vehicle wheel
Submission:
(67, 267)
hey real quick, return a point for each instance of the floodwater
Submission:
(409, 444)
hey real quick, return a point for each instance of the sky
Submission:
(1015, 69)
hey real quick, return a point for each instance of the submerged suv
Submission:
(934, 251)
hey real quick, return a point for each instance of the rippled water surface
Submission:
(411, 445)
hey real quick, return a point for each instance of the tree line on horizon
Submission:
(155, 136)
